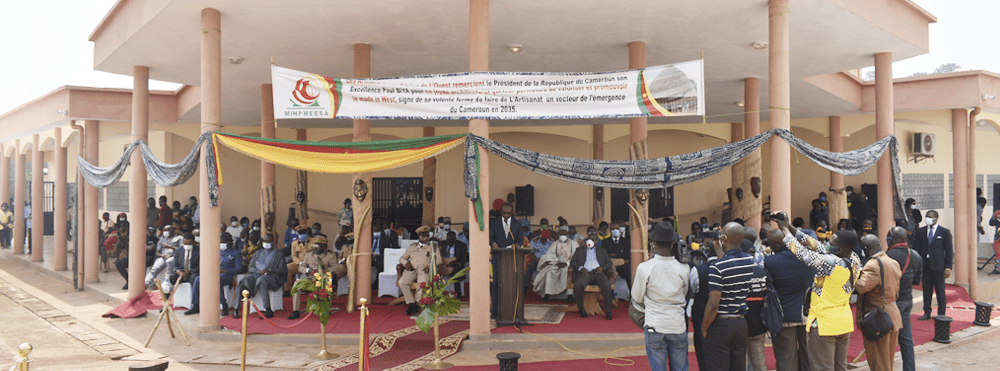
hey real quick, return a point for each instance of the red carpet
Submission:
(409, 346)
(383, 319)
(137, 306)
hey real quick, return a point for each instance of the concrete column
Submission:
(59, 204)
(363, 229)
(37, 201)
(779, 97)
(884, 127)
(4, 176)
(81, 229)
(430, 181)
(479, 249)
(267, 124)
(211, 120)
(637, 135)
(18, 209)
(751, 128)
(137, 184)
(836, 145)
(960, 145)
(598, 205)
(973, 259)
(90, 222)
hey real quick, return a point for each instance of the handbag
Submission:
(876, 323)
(637, 312)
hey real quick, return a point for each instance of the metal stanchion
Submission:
(362, 336)
(243, 332)
(22, 364)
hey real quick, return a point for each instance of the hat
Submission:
(322, 240)
(663, 232)
(423, 229)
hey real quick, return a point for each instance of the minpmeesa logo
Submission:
(306, 93)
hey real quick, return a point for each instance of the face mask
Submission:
(867, 228)
(573, 236)
(235, 224)
(197, 238)
(302, 237)
(704, 225)
(545, 226)
(256, 228)
(888, 241)
(266, 245)
(387, 231)
(616, 233)
(913, 207)
(590, 243)
(823, 198)
(223, 246)
(563, 238)
(188, 247)
(315, 231)
(166, 234)
(447, 227)
(929, 221)
(621, 229)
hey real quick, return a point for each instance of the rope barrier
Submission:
(625, 362)
(284, 327)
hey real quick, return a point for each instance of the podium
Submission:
(510, 283)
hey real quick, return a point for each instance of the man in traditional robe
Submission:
(267, 272)
(553, 267)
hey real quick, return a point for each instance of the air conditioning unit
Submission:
(924, 144)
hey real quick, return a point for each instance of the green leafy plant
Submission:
(320, 288)
(437, 301)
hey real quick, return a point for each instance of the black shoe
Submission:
(126, 286)
(995, 271)
(608, 316)
(225, 310)
(191, 311)
(295, 315)
(413, 309)
(545, 299)
(236, 312)
(569, 299)
(583, 314)
(268, 313)
(924, 317)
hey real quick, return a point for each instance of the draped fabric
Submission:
(163, 174)
(674, 170)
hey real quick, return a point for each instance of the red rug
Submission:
(382, 318)
(406, 349)
(137, 306)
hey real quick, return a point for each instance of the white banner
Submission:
(669, 90)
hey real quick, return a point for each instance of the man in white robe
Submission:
(553, 267)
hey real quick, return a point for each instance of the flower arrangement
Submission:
(437, 301)
(320, 288)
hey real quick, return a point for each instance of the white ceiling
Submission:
(431, 36)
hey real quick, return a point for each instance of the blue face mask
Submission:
(302, 237)
(704, 226)
(823, 198)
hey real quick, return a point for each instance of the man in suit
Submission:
(267, 271)
(505, 232)
(456, 257)
(618, 246)
(591, 266)
(185, 264)
(935, 247)
(382, 238)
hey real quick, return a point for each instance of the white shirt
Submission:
(662, 284)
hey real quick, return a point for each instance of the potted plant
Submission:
(320, 287)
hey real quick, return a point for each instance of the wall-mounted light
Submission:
(235, 60)
(740, 104)
(515, 48)
(62, 112)
(987, 96)
(759, 45)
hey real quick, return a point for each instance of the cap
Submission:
(663, 232)
(322, 240)
(423, 229)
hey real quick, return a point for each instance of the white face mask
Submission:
(616, 233)
(266, 245)
(223, 246)
(256, 228)
(235, 223)
(197, 239)
(621, 229)
(914, 207)
(590, 243)
(188, 247)
(563, 238)
(929, 221)
(166, 234)
(447, 227)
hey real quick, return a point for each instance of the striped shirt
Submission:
(731, 275)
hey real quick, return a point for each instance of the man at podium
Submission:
(505, 232)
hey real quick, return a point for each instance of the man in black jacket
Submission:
(456, 257)
(618, 246)
(910, 265)
(935, 247)
(590, 265)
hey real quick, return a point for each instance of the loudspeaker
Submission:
(524, 204)
(996, 197)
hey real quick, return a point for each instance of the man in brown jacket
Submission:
(320, 253)
(415, 265)
(878, 293)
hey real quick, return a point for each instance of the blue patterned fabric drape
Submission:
(673, 170)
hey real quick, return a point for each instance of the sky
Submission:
(46, 45)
